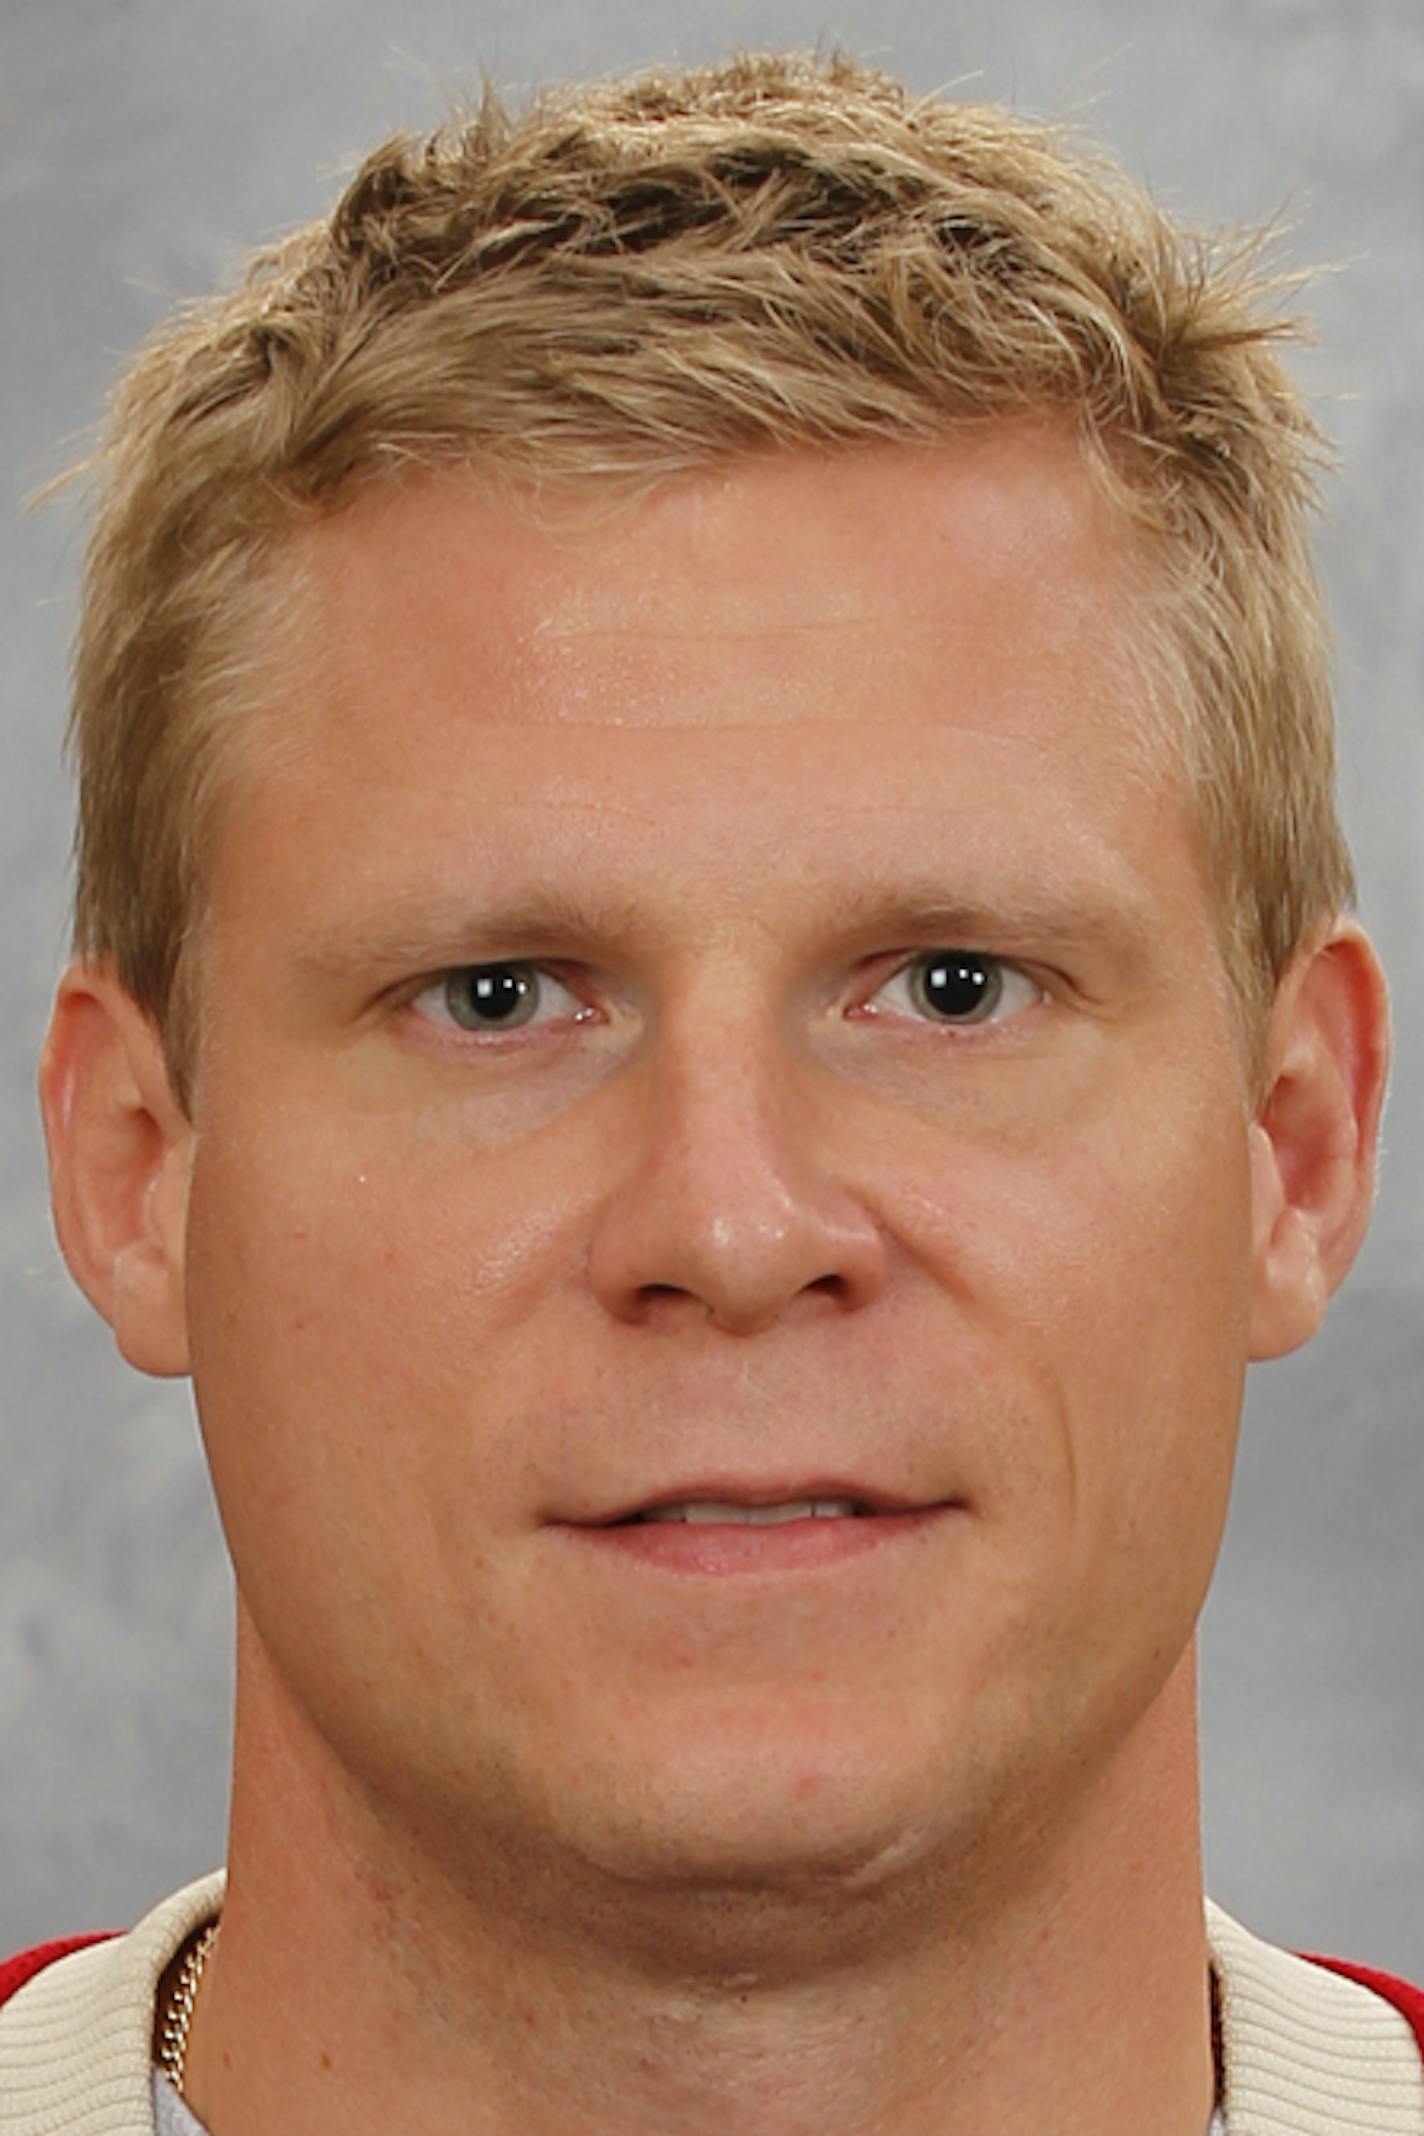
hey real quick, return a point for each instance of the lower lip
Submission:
(724, 1547)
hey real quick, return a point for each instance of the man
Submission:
(714, 1004)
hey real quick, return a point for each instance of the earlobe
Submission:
(1315, 1135)
(119, 1153)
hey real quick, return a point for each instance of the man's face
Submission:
(720, 1009)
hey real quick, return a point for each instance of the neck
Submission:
(357, 1985)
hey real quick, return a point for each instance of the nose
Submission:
(726, 1212)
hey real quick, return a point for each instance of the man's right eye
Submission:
(497, 997)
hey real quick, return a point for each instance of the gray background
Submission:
(145, 142)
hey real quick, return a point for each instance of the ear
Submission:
(1315, 1135)
(120, 1147)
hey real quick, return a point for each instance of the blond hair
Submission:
(642, 279)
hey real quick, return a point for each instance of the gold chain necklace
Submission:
(178, 2017)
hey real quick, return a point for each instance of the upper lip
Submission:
(729, 1491)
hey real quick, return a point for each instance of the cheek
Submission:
(351, 1314)
(363, 1390)
(332, 1232)
(1115, 1198)
(1102, 1267)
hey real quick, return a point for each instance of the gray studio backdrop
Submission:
(143, 143)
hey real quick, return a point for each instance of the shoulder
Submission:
(76, 2023)
(1402, 1994)
(1313, 2042)
(14, 1972)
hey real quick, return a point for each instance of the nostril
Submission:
(669, 1304)
(831, 1286)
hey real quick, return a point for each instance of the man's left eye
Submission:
(959, 986)
(496, 997)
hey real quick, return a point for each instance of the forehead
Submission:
(809, 647)
(873, 574)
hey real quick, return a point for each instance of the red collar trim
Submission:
(14, 1972)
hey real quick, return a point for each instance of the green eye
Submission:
(491, 997)
(488, 1000)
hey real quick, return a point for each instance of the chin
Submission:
(760, 1881)
(746, 1810)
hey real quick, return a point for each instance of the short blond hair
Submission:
(638, 280)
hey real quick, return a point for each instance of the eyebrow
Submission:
(418, 931)
(1107, 921)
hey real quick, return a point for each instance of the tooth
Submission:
(708, 1512)
(750, 1516)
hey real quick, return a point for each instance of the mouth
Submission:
(728, 1502)
(726, 1528)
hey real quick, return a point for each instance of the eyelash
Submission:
(1004, 974)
